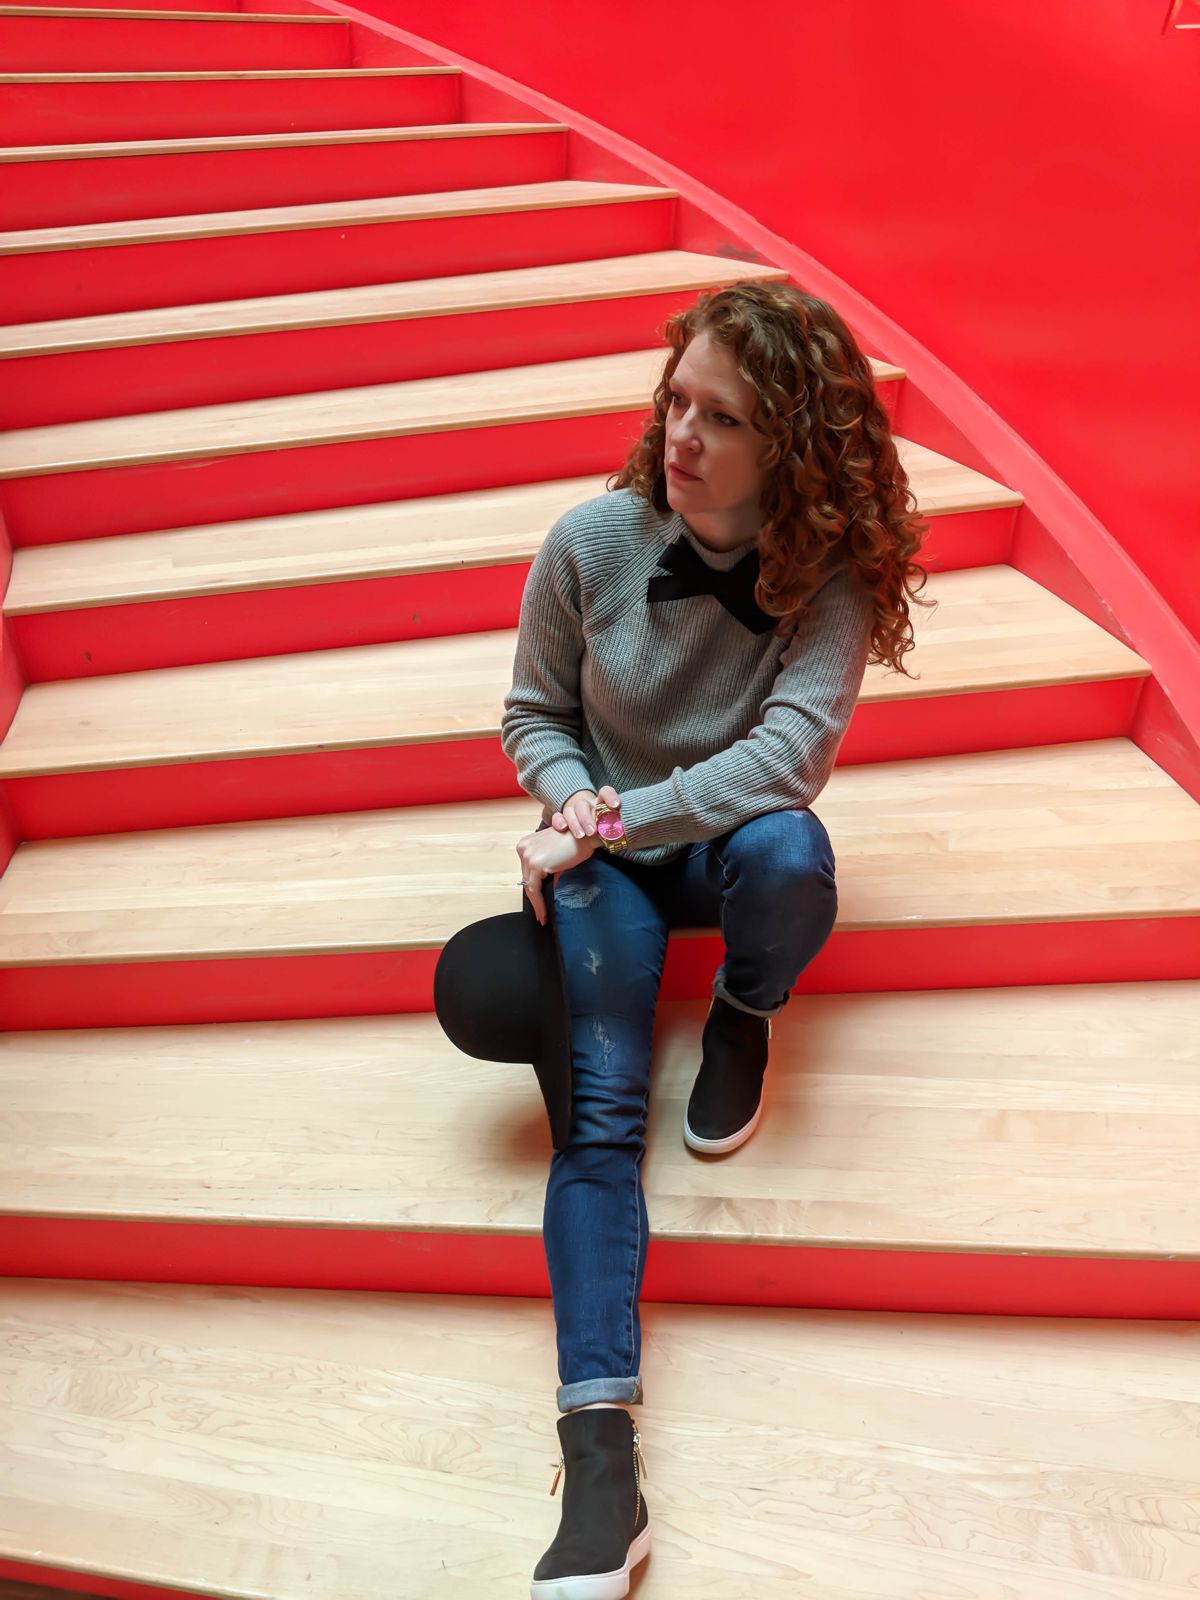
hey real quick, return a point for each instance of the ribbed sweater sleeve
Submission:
(784, 761)
(542, 723)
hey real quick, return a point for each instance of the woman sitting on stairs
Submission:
(695, 639)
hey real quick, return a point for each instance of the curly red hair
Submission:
(834, 490)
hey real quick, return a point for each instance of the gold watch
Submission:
(610, 830)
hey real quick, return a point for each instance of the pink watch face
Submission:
(610, 827)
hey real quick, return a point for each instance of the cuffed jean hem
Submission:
(625, 1391)
(720, 992)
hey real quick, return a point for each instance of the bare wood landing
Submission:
(279, 1443)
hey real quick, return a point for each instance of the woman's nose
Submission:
(684, 434)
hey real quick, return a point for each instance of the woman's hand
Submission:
(578, 815)
(545, 852)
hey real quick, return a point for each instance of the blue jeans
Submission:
(769, 887)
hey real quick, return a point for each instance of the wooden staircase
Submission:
(302, 362)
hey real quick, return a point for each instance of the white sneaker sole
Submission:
(719, 1147)
(596, 1585)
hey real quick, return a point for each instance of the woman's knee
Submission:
(610, 1076)
(785, 849)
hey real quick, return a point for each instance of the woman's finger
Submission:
(531, 881)
(533, 889)
(577, 818)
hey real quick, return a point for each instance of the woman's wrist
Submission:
(610, 827)
(589, 834)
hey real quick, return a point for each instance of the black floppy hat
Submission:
(500, 994)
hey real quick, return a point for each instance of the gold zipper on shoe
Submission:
(638, 1463)
(639, 1467)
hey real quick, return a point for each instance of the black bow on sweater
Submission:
(684, 573)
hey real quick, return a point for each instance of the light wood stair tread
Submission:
(214, 76)
(482, 527)
(406, 1444)
(270, 141)
(1092, 830)
(1073, 1113)
(557, 194)
(584, 386)
(108, 13)
(993, 629)
(654, 272)
(613, 277)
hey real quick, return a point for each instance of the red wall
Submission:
(1015, 183)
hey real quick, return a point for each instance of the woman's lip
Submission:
(690, 476)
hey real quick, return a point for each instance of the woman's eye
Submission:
(677, 399)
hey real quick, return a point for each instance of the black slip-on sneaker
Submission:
(726, 1099)
(605, 1528)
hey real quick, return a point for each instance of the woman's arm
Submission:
(539, 731)
(786, 759)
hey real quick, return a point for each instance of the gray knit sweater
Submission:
(697, 723)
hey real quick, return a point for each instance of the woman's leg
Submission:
(770, 887)
(613, 939)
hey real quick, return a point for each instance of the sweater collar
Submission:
(718, 560)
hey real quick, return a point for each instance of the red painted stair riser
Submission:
(378, 982)
(44, 284)
(34, 1572)
(101, 113)
(51, 193)
(686, 1272)
(154, 44)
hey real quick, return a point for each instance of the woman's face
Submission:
(711, 437)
